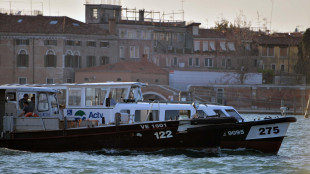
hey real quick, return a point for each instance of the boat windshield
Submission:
(234, 114)
(177, 114)
(201, 114)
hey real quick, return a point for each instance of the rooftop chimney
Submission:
(141, 15)
(112, 26)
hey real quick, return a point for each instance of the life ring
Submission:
(31, 114)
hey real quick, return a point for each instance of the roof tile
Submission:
(46, 25)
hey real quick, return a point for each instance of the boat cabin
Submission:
(43, 108)
(219, 111)
(97, 95)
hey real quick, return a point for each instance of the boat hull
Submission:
(144, 137)
(263, 135)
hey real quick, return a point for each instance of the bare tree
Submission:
(241, 35)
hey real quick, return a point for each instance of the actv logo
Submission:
(80, 114)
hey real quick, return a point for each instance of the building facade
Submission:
(278, 51)
(41, 49)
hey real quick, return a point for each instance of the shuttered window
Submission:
(22, 59)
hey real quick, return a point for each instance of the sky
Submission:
(277, 15)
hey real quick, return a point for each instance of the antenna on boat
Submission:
(196, 106)
(150, 110)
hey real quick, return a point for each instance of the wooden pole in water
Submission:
(307, 108)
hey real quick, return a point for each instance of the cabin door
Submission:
(2, 107)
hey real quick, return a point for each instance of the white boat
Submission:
(90, 102)
(129, 124)
(265, 135)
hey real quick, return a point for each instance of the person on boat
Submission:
(32, 103)
(26, 109)
(110, 101)
(21, 101)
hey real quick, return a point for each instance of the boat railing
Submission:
(182, 102)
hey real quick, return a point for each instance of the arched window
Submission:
(72, 61)
(22, 59)
(50, 59)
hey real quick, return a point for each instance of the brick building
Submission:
(278, 51)
(125, 71)
(42, 49)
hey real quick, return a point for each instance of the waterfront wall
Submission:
(255, 98)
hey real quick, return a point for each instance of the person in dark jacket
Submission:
(26, 109)
(21, 101)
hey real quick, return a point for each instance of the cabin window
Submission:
(54, 105)
(29, 99)
(118, 94)
(234, 114)
(61, 96)
(219, 113)
(10, 96)
(177, 114)
(201, 114)
(43, 102)
(146, 115)
(95, 96)
(74, 96)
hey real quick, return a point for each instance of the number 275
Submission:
(269, 130)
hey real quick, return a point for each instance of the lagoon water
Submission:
(293, 157)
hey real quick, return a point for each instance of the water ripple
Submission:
(293, 157)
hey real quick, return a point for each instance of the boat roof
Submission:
(20, 88)
(134, 84)
(218, 106)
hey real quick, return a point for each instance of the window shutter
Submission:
(18, 60)
(79, 62)
(27, 60)
(45, 60)
(87, 61)
(55, 61)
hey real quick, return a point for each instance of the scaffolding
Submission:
(111, 2)
(151, 16)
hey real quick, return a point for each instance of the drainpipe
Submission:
(14, 64)
(33, 61)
